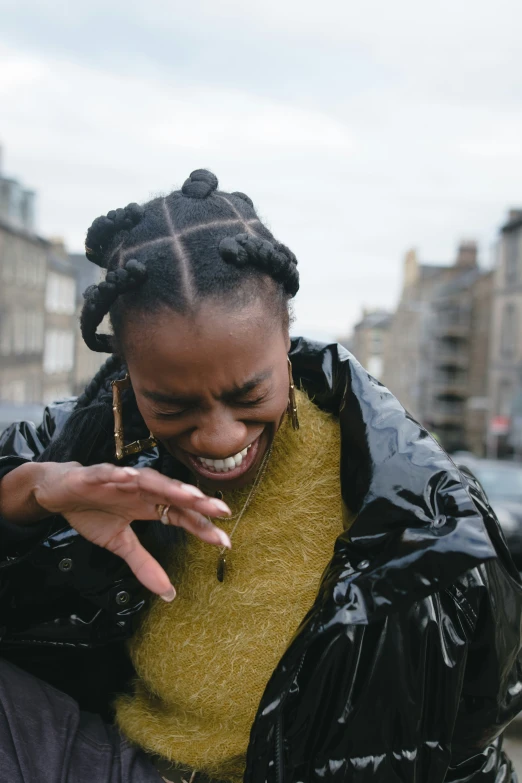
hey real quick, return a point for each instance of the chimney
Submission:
(58, 245)
(411, 268)
(467, 254)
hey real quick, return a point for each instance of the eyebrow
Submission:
(229, 395)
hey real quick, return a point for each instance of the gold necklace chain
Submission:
(222, 558)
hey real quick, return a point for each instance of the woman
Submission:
(357, 617)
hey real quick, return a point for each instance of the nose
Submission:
(219, 435)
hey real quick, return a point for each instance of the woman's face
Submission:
(211, 386)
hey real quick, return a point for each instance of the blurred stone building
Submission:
(60, 324)
(42, 355)
(404, 365)
(505, 388)
(369, 340)
(87, 362)
(436, 357)
(23, 265)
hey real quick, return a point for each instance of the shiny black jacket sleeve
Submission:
(20, 443)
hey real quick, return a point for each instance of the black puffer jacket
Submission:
(407, 666)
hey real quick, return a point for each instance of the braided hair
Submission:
(174, 251)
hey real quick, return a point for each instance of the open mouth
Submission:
(229, 468)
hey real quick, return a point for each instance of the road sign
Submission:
(500, 425)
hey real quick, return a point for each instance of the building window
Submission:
(5, 333)
(376, 341)
(58, 351)
(14, 391)
(60, 294)
(8, 265)
(21, 332)
(511, 245)
(505, 397)
(508, 334)
(375, 366)
(18, 321)
(34, 330)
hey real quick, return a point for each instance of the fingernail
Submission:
(131, 471)
(225, 540)
(170, 595)
(221, 506)
(192, 490)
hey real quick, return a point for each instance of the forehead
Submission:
(214, 342)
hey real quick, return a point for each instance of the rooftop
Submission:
(513, 222)
(375, 319)
(30, 236)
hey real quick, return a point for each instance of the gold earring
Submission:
(292, 402)
(138, 445)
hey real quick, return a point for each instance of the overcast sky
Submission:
(358, 129)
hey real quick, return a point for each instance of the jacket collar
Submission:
(417, 527)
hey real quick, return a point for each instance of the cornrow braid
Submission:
(104, 229)
(99, 299)
(273, 258)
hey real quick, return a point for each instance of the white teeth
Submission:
(224, 465)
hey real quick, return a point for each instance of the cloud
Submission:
(96, 140)
(358, 130)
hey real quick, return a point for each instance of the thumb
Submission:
(144, 567)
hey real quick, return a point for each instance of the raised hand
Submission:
(101, 501)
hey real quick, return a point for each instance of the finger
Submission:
(105, 473)
(125, 487)
(172, 492)
(207, 506)
(145, 568)
(200, 526)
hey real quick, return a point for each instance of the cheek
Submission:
(281, 399)
(156, 426)
(142, 407)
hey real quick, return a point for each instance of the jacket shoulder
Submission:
(27, 440)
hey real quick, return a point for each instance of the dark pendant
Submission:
(221, 568)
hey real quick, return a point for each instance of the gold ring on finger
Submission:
(162, 511)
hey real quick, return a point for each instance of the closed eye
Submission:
(250, 403)
(172, 414)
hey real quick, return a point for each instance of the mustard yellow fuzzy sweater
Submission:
(203, 661)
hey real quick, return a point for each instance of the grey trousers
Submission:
(46, 738)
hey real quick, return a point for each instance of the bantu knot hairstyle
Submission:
(104, 229)
(195, 243)
(275, 259)
(99, 299)
(200, 184)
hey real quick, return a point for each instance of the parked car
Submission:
(502, 482)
